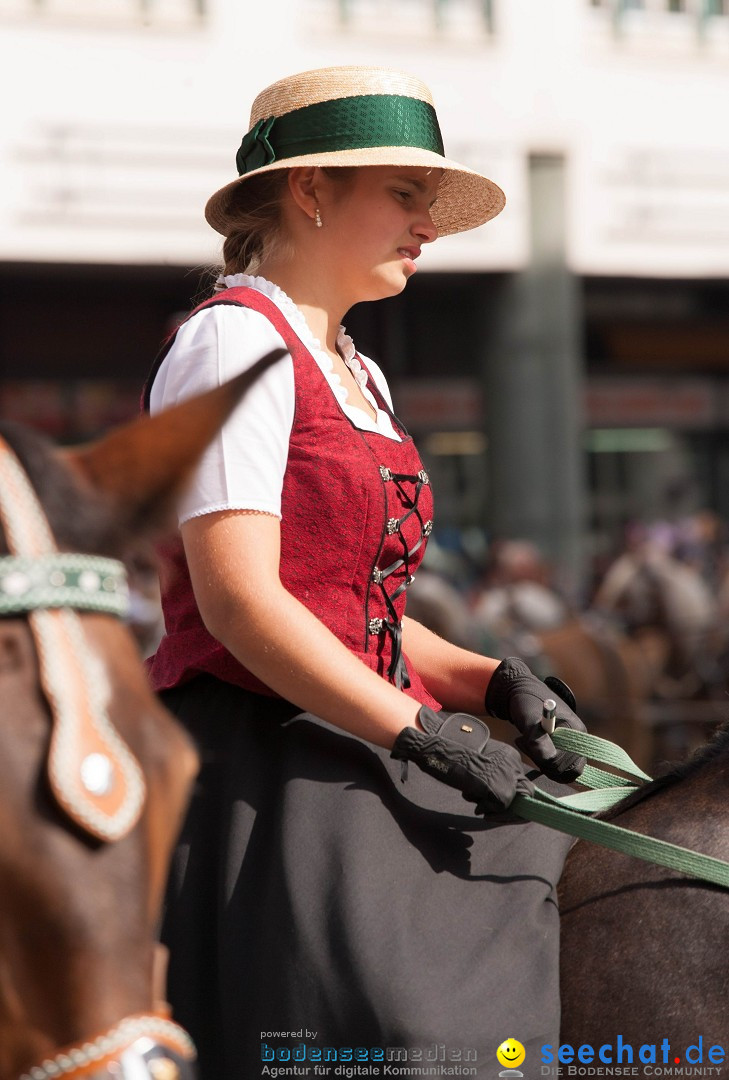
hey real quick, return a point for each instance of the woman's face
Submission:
(374, 225)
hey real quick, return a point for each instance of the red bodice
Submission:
(356, 513)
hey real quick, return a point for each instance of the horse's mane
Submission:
(675, 772)
(714, 748)
(80, 519)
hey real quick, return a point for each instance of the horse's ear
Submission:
(143, 465)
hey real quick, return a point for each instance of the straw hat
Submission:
(356, 116)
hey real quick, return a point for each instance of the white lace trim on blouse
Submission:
(243, 468)
(345, 346)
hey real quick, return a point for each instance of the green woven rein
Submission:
(567, 814)
(62, 580)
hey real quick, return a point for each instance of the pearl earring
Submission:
(317, 218)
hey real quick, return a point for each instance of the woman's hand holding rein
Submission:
(517, 695)
(457, 750)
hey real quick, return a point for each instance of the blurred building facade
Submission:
(566, 367)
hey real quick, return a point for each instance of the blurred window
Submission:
(156, 12)
(620, 6)
(459, 18)
(645, 17)
(702, 8)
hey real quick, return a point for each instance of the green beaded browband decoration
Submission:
(62, 580)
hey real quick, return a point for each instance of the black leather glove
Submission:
(458, 750)
(516, 695)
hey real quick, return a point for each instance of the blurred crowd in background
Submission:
(646, 652)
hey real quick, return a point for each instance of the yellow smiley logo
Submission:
(511, 1053)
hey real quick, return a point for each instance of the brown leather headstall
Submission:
(92, 773)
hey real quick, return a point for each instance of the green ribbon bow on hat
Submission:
(351, 123)
(255, 150)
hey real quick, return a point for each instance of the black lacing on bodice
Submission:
(397, 671)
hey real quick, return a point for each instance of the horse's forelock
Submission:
(80, 519)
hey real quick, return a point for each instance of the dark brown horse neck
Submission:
(644, 948)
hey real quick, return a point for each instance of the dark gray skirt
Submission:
(317, 903)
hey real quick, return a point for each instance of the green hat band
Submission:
(351, 123)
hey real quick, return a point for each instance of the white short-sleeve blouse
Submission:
(243, 468)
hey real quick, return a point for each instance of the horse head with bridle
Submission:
(94, 772)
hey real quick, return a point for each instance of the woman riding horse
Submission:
(312, 890)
